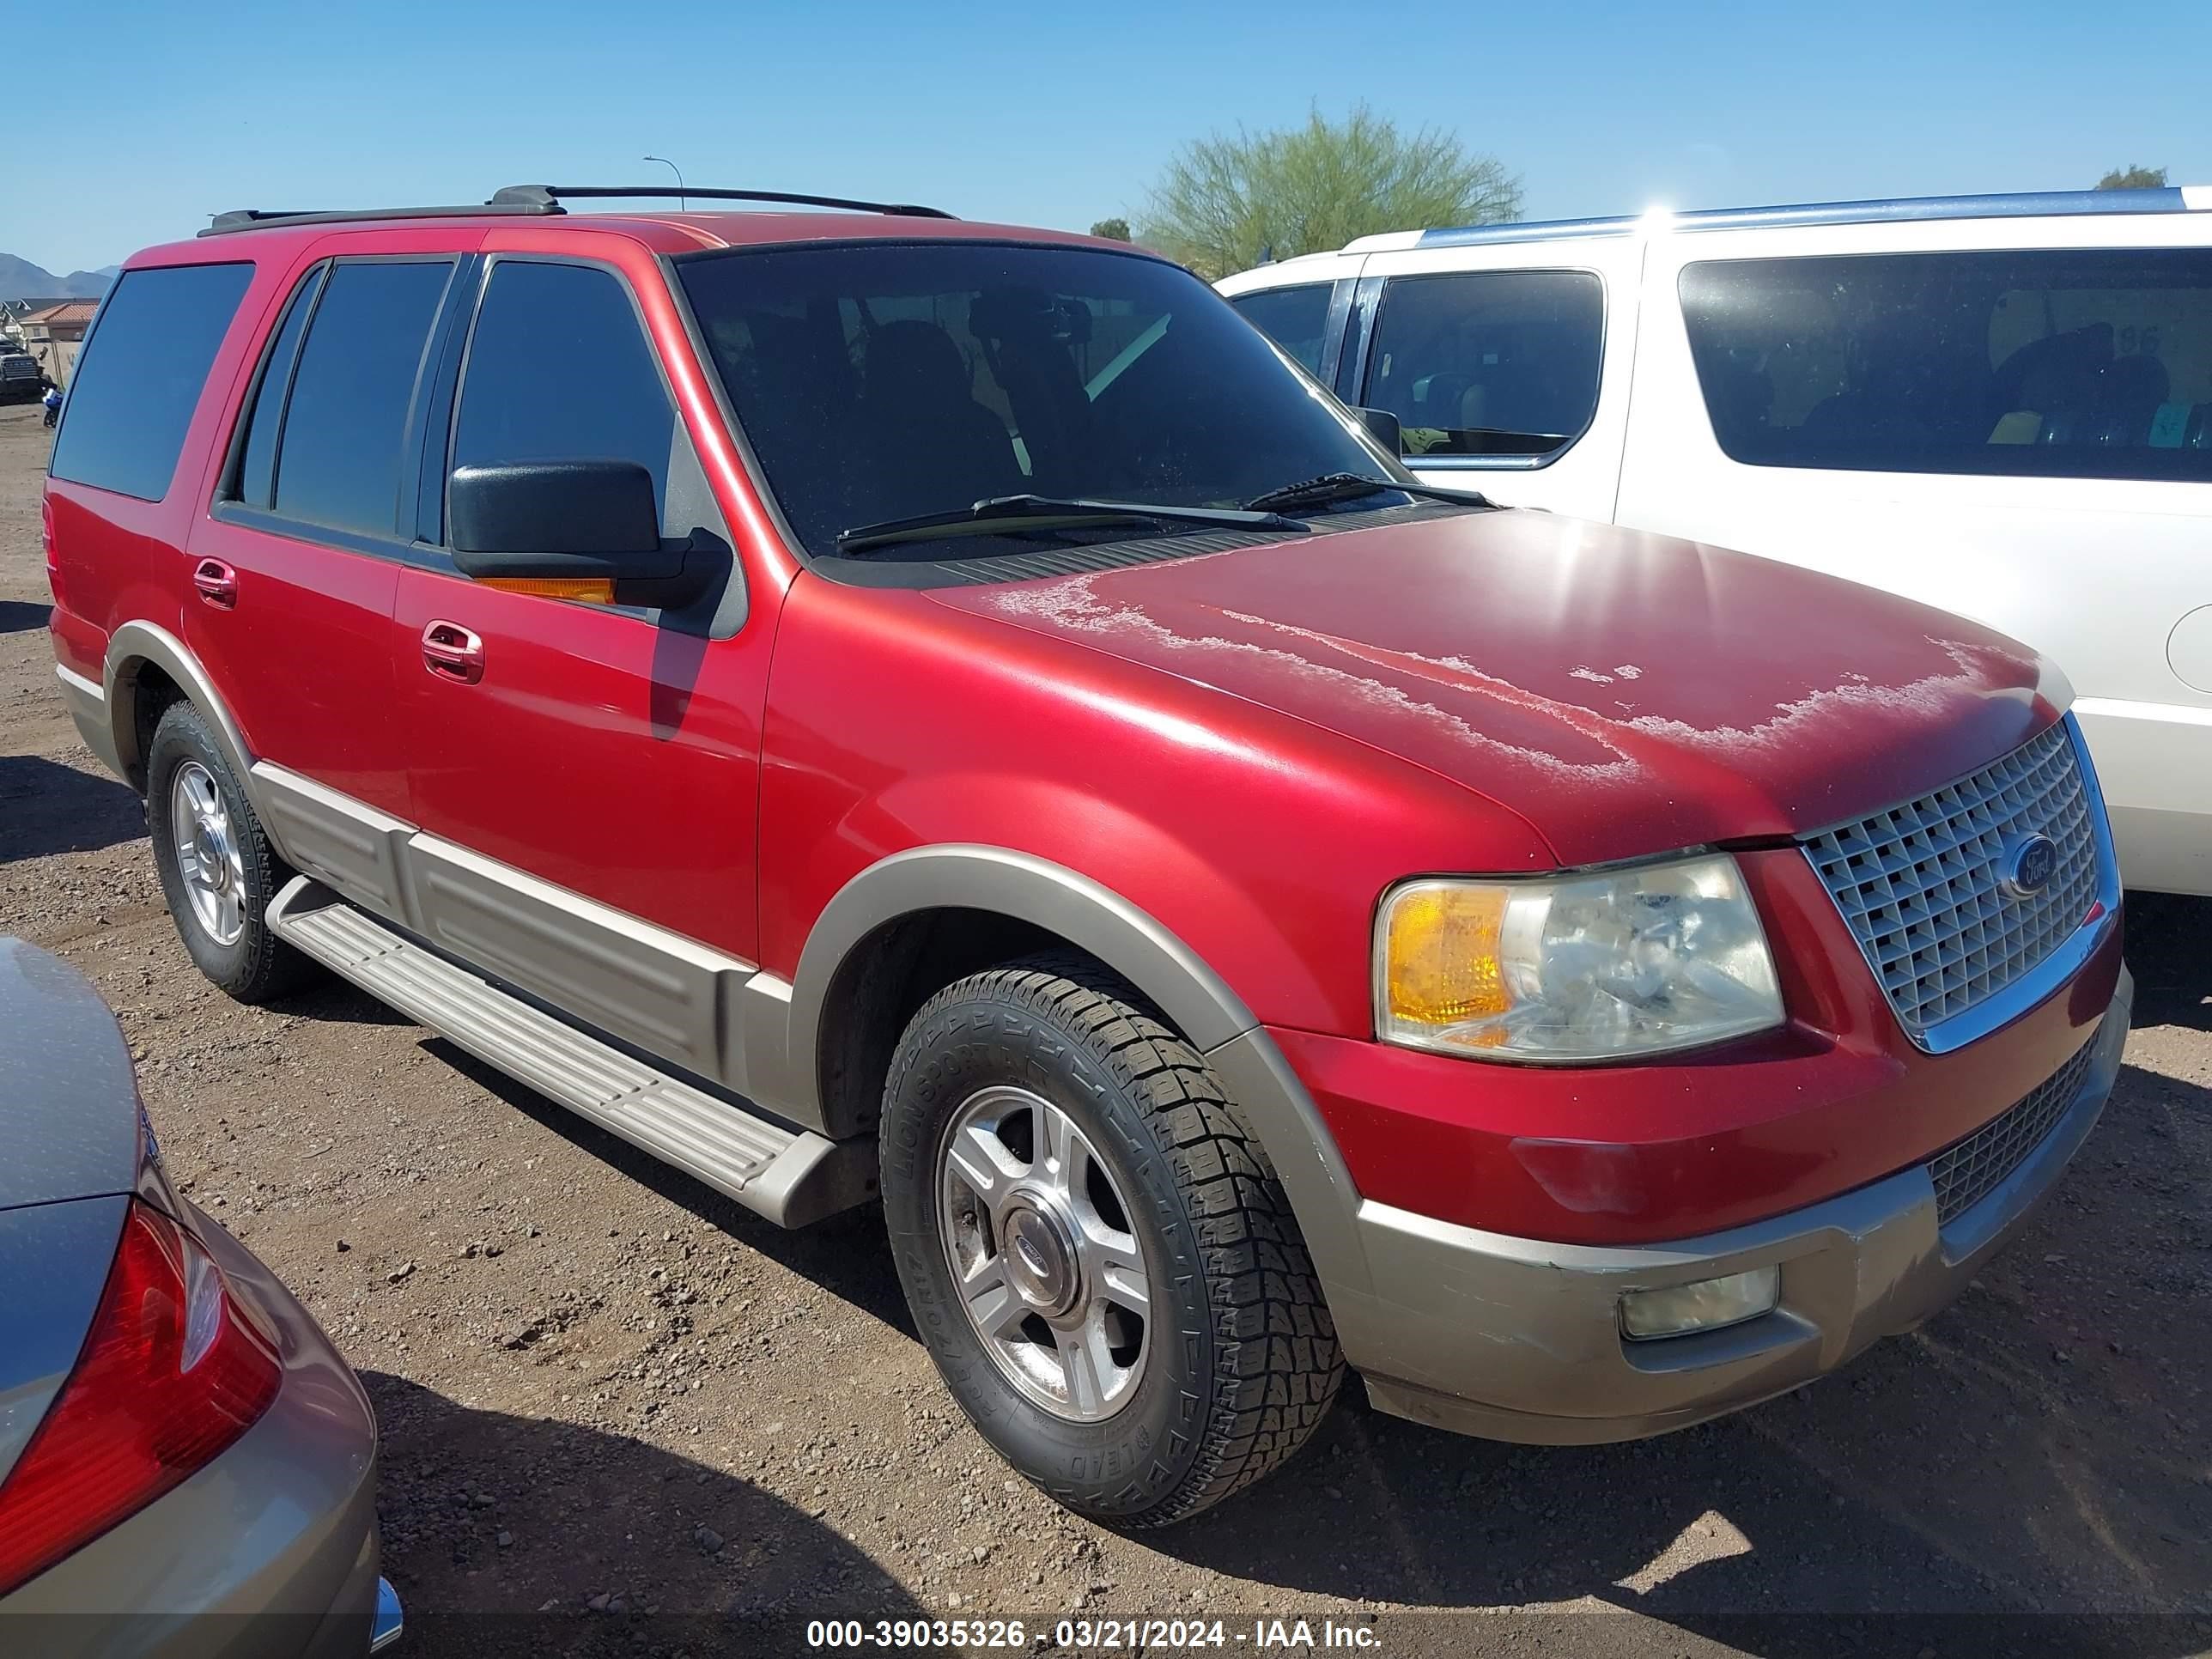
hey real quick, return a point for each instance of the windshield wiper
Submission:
(995, 513)
(1333, 487)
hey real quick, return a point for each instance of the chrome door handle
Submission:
(215, 582)
(453, 653)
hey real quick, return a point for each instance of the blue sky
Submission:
(1058, 114)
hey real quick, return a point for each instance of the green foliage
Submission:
(1224, 203)
(1114, 230)
(2133, 177)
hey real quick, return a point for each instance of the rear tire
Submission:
(1163, 1342)
(218, 870)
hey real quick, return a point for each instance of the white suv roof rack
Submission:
(2042, 204)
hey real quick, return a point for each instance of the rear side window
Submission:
(1500, 363)
(559, 370)
(338, 463)
(142, 374)
(2043, 362)
(1295, 318)
(257, 467)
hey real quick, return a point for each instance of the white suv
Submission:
(2001, 405)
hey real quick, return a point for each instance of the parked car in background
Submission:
(945, 716)
(186, 1465)
(22, 380)
(1999, 405)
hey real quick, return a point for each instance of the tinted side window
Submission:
(559, 370)
(1500, 362)
(1295, 318)
(2049, 362)
(141, 374)
(339, 461)
(257, 467)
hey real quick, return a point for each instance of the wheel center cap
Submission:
(1040, 1254)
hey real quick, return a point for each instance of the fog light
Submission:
(1704, 1305)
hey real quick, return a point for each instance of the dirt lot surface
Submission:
(622, 1416)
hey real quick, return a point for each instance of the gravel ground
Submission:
(622, 1415)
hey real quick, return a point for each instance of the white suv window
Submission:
(1500, 363)
(1295, 318)
(2048, 362)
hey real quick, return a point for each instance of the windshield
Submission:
(883, 381)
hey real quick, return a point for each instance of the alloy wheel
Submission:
(1049, 1266)
(208, 858)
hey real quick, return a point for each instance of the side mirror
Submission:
(585, 522)
(1382, 426)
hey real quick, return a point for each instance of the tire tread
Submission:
(1277, 1366)
(265, 967)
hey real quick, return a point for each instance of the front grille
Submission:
(1918, 883)
(1966, 1174)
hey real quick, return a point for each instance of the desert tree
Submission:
(1226, 203)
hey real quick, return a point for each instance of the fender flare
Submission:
(1275, 1105)
(137, 642)
(974, 877)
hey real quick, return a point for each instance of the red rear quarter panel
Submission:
(114, 560)
(120, 559)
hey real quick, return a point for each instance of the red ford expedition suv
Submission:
(874, 707)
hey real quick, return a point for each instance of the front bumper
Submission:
(1515, 1338)
(269, 1551)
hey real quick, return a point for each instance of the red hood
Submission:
(1626, 693)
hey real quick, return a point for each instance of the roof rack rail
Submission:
(547, 198)
(2018, 204)
(538, 201)
(257, 218)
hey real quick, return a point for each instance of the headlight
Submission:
(1631, 960)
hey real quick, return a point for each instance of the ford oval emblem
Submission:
(2027, 866)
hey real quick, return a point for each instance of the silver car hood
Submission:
(70, 1145)
(53, 1264)
(68, 1100)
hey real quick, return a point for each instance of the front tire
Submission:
(217, 869)
(1102, 1263)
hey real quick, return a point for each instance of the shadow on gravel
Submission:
(19, 615)
(336, 1001)
(2024, 1473)
(531, 1523)
(846, 1256)
(46, 807)
(2169, 947)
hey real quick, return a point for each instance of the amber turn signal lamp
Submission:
(1440, 954)
(579, 590)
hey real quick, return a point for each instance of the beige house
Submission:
(12, 313)
(52, 335)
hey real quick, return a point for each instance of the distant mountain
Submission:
(19, 279)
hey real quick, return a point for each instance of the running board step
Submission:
(791, 1176)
